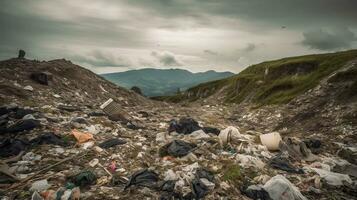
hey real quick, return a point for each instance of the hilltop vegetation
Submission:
(273, 82)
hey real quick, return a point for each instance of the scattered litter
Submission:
(40, 186)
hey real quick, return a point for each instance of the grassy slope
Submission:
(287, 78)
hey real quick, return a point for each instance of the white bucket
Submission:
(271, 140)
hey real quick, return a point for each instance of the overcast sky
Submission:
(198, 35)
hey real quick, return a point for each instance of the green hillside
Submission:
(271, 82)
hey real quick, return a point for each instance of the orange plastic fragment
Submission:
(82, 136)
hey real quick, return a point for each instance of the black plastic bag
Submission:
(176, 148)
(212, 130)
(111, 143)
(280, 162)
(12, 147)
(256, 192)
(144, 177)
(184, 126)
(84, 178)
(22, 125)
(48, 138)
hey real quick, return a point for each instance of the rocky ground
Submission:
(57, 143)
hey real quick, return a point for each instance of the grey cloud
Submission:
(39, 34)
(101, 59)
(210, 52)
(250, 47)
(340, 38)
(166, 58)
(274, 13)
(71, 29)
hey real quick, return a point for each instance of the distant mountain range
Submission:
(159, 82)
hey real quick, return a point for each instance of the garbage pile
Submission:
(55, 152)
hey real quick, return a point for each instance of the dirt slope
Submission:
(74, 84)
